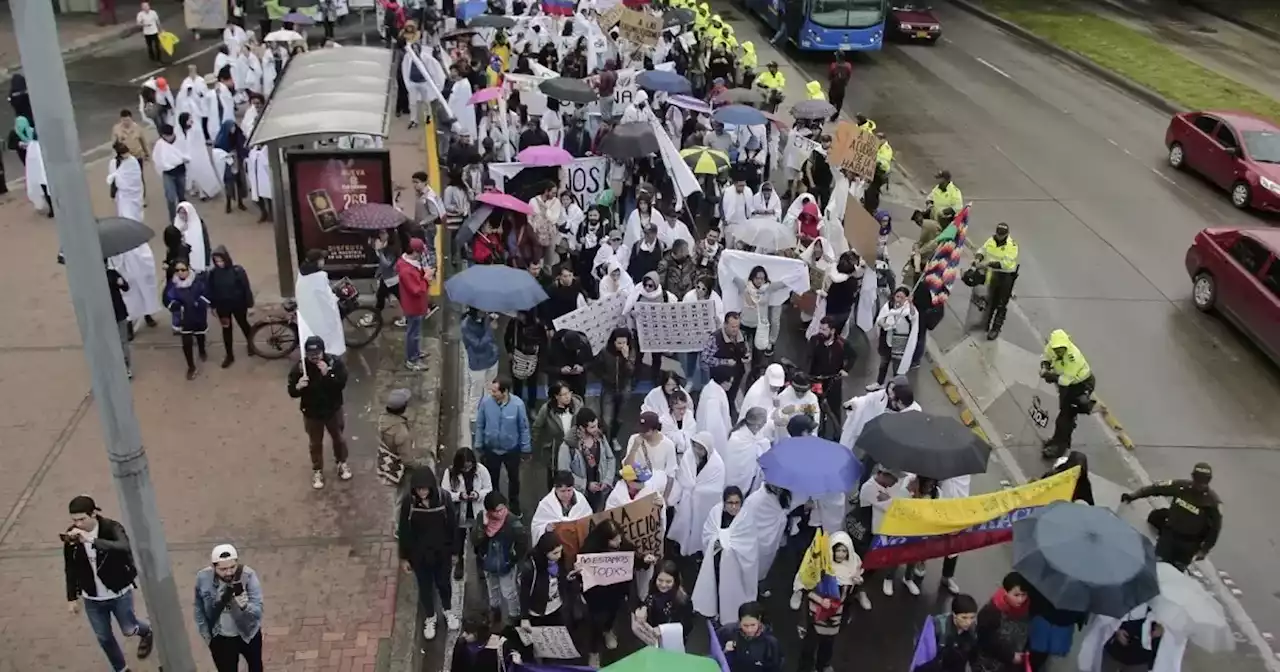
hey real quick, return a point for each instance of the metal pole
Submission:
(86, 274)
(280, 215)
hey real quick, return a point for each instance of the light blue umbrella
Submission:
(739, 115)
(661, 80)
(808, 465)
(495, 289)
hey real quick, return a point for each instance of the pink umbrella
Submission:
(485, 95)
(506, 201)
(544, 155)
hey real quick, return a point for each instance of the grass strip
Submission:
(1137, 56)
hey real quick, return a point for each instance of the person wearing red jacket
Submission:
(415, 280)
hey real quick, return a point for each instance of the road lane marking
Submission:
(998, 71)
(180, 61)
(1160, 175)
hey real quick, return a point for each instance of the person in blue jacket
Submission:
(502, 436)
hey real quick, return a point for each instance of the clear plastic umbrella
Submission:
(1185, 608)
(765, 234)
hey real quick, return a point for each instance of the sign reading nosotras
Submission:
(640, 27)
(640, 522)
(854, 150)
(611, 18)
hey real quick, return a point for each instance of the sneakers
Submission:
(452, 621)
(400, 323)
(795, 601)
(145, 644)
(429, 628)
(366, 321)
(317, 479)
(864, 601)
(415, 366)
(888, 587)
(873, 387)
(344, 472)
(951, 586)
(920, 570)
(610, 640)
(912, 586)
(228, 361)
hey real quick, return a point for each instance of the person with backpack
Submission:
(427, 532)
(500, 543)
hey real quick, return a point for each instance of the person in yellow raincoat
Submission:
(865, 123)
(1064, 365)
(814, 90)
(884, 154)
(1000, 255)
(773, 84)
(945, 195)
(749, 62)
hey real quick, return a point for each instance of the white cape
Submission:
(656, 400)
(682, 439)
(193, 236)
(785, 276)
(138, 268)
(126, 176)
(741, 458)
(748, 547)
(463, 111)
(668, 232)
(258, 173)
(318, 312)
(549, 513)
(1101, 628)
(858, 412)
(192, 97)
(202, 176)
(713, 415)
(703, 490)
(36, 177)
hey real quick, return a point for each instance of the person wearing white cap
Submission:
(228, 610)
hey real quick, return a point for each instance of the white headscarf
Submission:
(193, 235)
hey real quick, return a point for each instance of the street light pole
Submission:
(86, 274)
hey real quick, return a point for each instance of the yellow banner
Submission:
(929, 517)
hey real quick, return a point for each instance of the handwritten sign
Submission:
(640, 27)
(640, 522)
(854, 150)
(606, 569)
(611, 18)
(552, 642)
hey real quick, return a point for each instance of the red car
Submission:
(1236, 151)
(911, 21)
(1236, 272)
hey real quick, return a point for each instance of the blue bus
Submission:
(826, 25)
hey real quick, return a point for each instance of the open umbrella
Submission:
(485, 95)
(812, 109)
(297, 19)
(766, 234)
(1085, 558)
(929, 445)
(812, 466)
(680, 16)
(544, 156)
(1185, 608)
(491, 21)
(630, 141)
(740, 97)
(371, 217)
(283, 35)
(705, 161)
(120, 234)
(654, 659)
(505, 201)
(495, 289)
(739, 115)
(471, 225)
(777, 121)
(690, 103)
(661, 80)
(568, 89)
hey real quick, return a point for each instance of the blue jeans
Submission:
(175, 189)
(412, 337)
(696, 374)
(100, 613)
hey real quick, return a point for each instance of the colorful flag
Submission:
(941, 271)
(717, 649)
(558, 7)
(926, 646)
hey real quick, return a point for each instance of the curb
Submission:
(82, 48)
(1121, 82)
(1211, 10)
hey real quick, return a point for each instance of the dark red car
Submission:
(1236, 272)
(912, 22)
(1234, 150)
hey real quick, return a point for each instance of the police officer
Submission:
(1189, 528)
(1064, 365)
(772, 82)
(945, 194)
(1000, 255)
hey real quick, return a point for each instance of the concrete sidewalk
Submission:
(81, 33)
(228, 458)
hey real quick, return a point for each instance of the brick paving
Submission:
(227, 456)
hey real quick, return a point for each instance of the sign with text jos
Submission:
(640, 522)
(606, 569)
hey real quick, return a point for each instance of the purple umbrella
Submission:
(297, 19)
(371, 217)
(544, 155)
(810, 466)
(690, 103)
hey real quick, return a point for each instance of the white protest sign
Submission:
(799, 149)
(552, 642)
(605, 569)
(625, 89)
(584, 178)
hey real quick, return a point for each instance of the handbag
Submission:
(523, 364)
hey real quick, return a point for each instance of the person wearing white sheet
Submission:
(124, 177)
(138, 268)
(650, 449)
(746, 549)
(615, 279)
(317, 305)
(700, 478)
(713, 411)
(658, 400)
(899, 325)
(202, 179)
(195, 235)
(258, 175)
(193, 99)
(646, 216)
(742, 451)
(562, 504)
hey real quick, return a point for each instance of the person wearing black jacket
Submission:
(318, 381)
(564, 295)
(231, 296)
(830, 360)
(550, 589)
(428, 535)
(1051, 631)
(603, 602)
(957, 640)
(100, 571)
(118, 286)
(567, 359)
(525, 340)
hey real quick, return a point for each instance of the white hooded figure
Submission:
(221, 60)
(552, 510)
(502, 136)
(202, 176)
(124, 174)
(766, 203)
(657, 399)
(138, 268)
(668, 232)
(611, 249)
(680, 424)
(792, 219)
(792, 402)
(193, 97)
(222, 108)
(714, 415)
(746, 549)
(250, 119)
(763, 393)
(37, 181)
(269, 72)
(701, 479)
(742, 451)
(1101, 629)
(258, 174)
(615, 280)
(318, 313)
(235, 38)
(253, 71)
(463, 111)
(195, 236)
(638, 110)
(649, 289)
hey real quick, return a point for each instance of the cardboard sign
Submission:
(861, 229)
(640, 27)
(611, 18)
(605, 569)
(552, 642)
(640, 522)
(854, 150)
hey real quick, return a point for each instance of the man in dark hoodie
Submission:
(318, 381)
(427, 533)
(567, 359)
(231, 296)
(749, 646)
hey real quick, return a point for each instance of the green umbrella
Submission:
(653, 659)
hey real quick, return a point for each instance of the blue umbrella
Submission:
(739, 115)
(297, 19)
(661, 80)
(810, 466)
(495, 289)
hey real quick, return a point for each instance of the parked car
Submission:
(1236, 273)
(1234, 150)
(913, 22)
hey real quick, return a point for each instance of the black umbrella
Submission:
(679, 16)
(929, 445)
(630, 141)
(120, 234)
(471, 225)
(491, 21)
(812, 109)
(1085, 558)
(570, 90)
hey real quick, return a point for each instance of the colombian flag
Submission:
(558, 7)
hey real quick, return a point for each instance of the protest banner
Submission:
(597, 320)
(585, 178)
(552, 642)
(674, 327)
(640, 27)
(860, 228)
(624, 89)
(640, 522)
(605, 569)
(611, 17)
(914, 530)
(854, 150)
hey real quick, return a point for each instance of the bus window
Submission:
(847, 13)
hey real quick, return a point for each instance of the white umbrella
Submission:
(283, 36)
(1185, 608)
(766, 234)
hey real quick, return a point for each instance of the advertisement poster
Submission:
(324, 184)
(206, 15)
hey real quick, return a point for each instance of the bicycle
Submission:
(276, 336)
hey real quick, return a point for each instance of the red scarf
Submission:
(1001, 602)
(493, 521)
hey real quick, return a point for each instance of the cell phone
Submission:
(66, 538)
(322, 208)
(237, 589)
